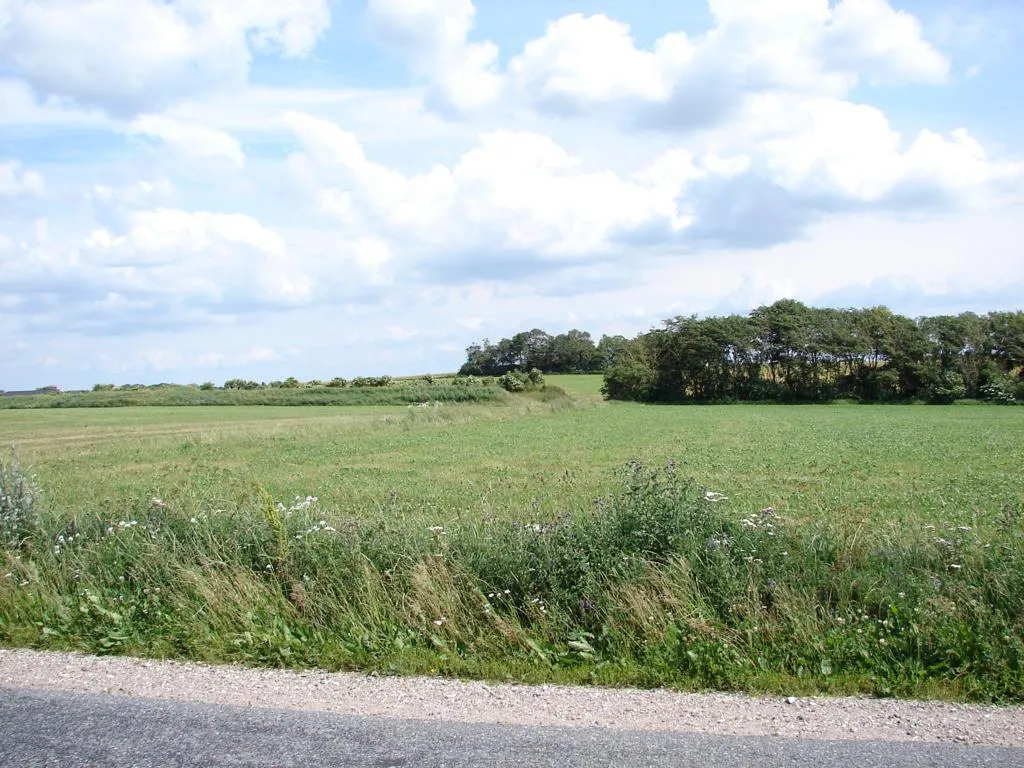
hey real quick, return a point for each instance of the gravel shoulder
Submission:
(440, 700)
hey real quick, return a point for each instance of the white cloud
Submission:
(586, 62)
(166, 268)
(191, 139)
(432, 36)
(16, 181)
(513, 190)
(590, 60)
(129, 57)
(871, 37)
(836, 148)
(522, 192)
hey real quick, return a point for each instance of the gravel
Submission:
(437, 699)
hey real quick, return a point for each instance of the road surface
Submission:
(60, 728)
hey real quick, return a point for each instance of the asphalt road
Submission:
(74, 729)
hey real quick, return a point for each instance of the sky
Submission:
(199, 190)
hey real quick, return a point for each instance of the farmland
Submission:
(395, 564)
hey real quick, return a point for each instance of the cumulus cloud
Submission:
(837, 149)
(191, 139)
(166, 267)
(514, 190)
(585, 63)
(432, 36)
(523, 194)
(137, 56)
(16, 181)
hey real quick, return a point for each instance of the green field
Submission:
(868, 488)
(878, 464)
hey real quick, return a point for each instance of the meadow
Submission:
(545, 537)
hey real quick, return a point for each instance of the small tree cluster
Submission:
(570, 352)
(789, 352)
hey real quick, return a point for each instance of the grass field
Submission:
(882, 484)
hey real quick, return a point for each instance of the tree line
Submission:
(786, 352)
(789, 352)
(570, 352)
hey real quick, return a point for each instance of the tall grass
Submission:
(660, 583)
(185, 396)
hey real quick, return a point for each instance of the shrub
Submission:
(241, 384)
(947, 389)
(513, 381)
(517, 381)
(18, 492)
(1000, 389)
(371, 381)
(337, 383)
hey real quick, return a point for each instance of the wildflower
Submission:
(193, 520)
(955, 567)
(714, 496)
(158, 503)
(438, 529)
(441, 621)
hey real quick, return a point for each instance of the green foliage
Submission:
(371, 381)
(241, 384)
(659, 582)
(788, 352)
(517, 381)
(570, 352)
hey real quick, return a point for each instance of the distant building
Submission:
(52, 390)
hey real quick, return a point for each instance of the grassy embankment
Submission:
(504, 540)
(401, 393)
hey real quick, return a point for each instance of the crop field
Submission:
(833, 548)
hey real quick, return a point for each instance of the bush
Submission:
(371, 381)
(947, 389)
(337, 383)
(241, 384)
(517, 381)
(513, 381)
(1000, 389)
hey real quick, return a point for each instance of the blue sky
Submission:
(195, 190)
